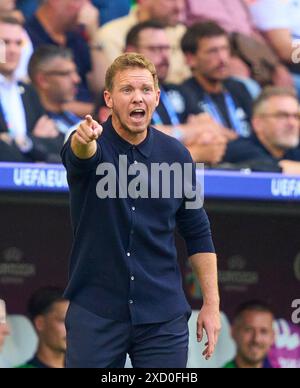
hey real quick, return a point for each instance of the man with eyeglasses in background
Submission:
(26, 133)
(54, 75)
(276, 137)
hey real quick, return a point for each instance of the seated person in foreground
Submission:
(253, 333)
(47, 309)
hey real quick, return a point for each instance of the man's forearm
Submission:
(205, 267)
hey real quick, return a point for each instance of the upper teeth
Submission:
(139, 111)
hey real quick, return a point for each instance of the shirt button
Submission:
(131, 301)
(133, 208)
(132, 278)
(132, 232)
(128, 254)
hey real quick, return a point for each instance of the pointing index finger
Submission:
(89, 120)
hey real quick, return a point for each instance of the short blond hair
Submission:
(129, 61)
(268, 93)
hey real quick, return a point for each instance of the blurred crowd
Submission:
(253, 334)
(229, 75)
(252, 331)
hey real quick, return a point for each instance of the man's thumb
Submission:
(98, 131)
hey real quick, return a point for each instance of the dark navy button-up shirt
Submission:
(123, 263)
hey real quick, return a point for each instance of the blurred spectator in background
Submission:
(207, 50)
(252, 56)
(231, 15)
(8, 8)
(112, 9)
(109, 10)
(279, 22)
(47, 309)
(28, 7)
(72, 24)
(171, 13)
(26, 133)
(4, 332)
(275, 142)
(4, 328)
(252, 330)
(54, 75)
(176, 115)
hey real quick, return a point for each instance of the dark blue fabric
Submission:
(76, 43)
(28, 7)
(241, 98)
(64, 120)
(245, 150)
(112, 9)
(106, 230)
(96, 342)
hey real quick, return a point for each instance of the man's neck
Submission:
(50, 106)
(132, 138)
(50, 358)
(243, 364)
(46, 15)
(143, 15)
(276, 152)
(212, 87)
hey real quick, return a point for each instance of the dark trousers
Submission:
(95, 342)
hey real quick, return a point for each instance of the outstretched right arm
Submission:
(84, 140)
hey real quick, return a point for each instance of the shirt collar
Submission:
(6, 81)
(145, 148)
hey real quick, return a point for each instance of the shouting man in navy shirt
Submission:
(125, 285)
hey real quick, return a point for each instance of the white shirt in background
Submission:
(276, 14)
(27, 51)
(12, 106)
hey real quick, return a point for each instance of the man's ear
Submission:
(41, 81)
(157, 98)
(108, 99)
(255, 122)
(39, 323)
(190, 60)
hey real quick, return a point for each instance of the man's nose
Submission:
(137, 97)
(76, 78)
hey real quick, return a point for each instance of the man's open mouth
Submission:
(138, 114)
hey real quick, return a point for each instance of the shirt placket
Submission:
(131, 254)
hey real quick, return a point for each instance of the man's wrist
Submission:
(213, 303)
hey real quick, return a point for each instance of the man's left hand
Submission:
(209, 320)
